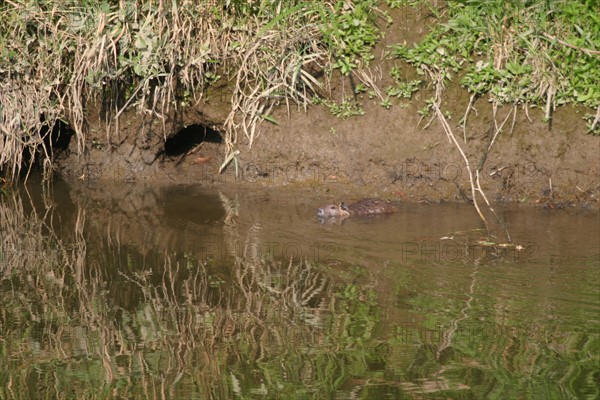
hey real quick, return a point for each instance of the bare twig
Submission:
(453, 140)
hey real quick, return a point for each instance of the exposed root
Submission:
(474, 175)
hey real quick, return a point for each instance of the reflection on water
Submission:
(194, 293)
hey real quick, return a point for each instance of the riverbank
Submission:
(371, 109)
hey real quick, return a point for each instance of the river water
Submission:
(128, 291)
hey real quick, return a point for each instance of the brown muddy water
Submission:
(183, 292)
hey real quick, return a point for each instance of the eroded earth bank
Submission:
(392, 153)
(382, 153)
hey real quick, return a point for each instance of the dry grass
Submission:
(81, 310)
(156, 56)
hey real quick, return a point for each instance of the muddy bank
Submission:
(391, 153)
(386, 153)
(382, 153)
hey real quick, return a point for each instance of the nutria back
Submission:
(371, 206)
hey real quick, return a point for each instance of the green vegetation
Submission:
(537, 53)
(62, 60)
(351, 32)
(401, 89)
(344, 109)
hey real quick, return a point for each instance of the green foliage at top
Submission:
(350, 32)
(533, 52)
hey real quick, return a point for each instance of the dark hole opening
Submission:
(60, 137)
(190, 137)
(57, 139)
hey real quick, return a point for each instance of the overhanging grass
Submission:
(56, 56)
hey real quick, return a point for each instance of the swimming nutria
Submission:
(361, 207)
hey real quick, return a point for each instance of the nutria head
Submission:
(332, 210)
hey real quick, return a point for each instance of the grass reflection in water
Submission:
(83, 316)
(120, 325)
